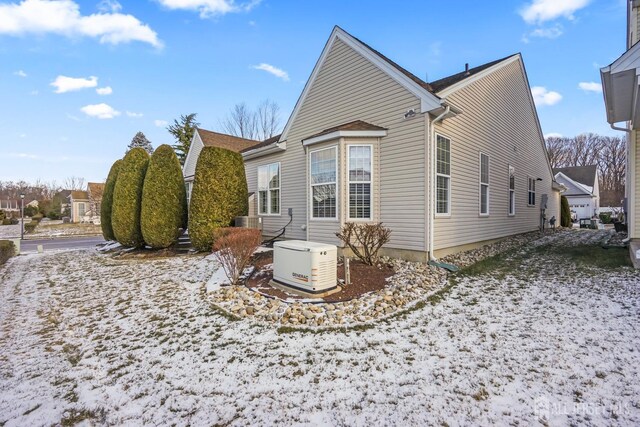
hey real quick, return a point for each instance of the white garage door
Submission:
(581, 210)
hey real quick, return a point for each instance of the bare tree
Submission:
(74, 183)
(260, 124)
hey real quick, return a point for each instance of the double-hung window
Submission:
(484, 184)
(512, 191)
(81, 209)
(323, 177)
(443, 175)
(269, 189)
(360, 159)
(532, 192)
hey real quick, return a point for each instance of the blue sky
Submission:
(78, 79)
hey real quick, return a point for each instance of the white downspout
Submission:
(614, 127)
(432, 199)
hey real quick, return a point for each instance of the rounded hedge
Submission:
(565, 212)
(219, 194)
(163, 199)
(107, 201)
(127, 198)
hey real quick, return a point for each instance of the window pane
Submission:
(484, 168)
(512, 202)
(263, 177)
(324, 201)
(360, 163)
(442, 194)
(443, 156)
(275, 201)
(360, 200)
(323, 166)
(274, 175)
(262, 202)
(484, 199)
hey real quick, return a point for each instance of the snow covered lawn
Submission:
(54, 229)
(534, 338)
(9, 231)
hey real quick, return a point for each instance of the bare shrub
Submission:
(233, 248)
(365, 240)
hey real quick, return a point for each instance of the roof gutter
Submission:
(278, 147)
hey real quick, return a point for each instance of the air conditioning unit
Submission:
(248, 222)
(307, 266)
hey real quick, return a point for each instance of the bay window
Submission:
(323, 177)
(360, 163)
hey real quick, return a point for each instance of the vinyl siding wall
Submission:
(189, 168)
(348, 87)
(636, 197)
(497, 120)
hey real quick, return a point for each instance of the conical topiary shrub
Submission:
(107, 201)
(219, 194)
(163, 199)
(565, 212)
(127, 198)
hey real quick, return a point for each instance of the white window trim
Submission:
(480, 184)
(348, 179)
(530, 178)
(509, 213)
(279, 188)
(310, 188)
(435, 181)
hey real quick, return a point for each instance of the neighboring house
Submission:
(620, 87)
(33, 204)
(10, 206)
(94, 193)
(79, 201)
(446, 165)
(583, 192)
(206, 138)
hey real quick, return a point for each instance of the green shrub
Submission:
(37, 217)
(6, 221)
(29, 227)
(163, 199)
(127, 198)
(107, 201)
(605, 217)
(219, 194)
(565, 212)
(7, 250)
(2, 216)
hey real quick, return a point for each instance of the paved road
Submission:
(61, 243)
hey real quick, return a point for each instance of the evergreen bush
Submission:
(127, 198)
(565, 212)
(163, 199)
(219, 194)
(107, 201)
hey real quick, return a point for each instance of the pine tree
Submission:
(183, 132)
(140, 141)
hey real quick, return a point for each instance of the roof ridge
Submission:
(444, 82)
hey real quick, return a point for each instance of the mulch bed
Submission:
(364, 279)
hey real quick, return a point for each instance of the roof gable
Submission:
(429, 101)
(573, 188)
(585, 175)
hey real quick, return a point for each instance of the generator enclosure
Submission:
(308, 266)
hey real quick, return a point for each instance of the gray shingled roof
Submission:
(583, 174)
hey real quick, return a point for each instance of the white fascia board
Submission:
(466, 82)
(344, 134)
(428, 101)
(278, 147)
(196, 137)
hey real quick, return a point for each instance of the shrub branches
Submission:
(233, 248)
(365, 240)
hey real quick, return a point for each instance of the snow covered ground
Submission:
(9, 231)
(87, 336)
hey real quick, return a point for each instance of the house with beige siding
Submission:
(620, 85)
(447, 165)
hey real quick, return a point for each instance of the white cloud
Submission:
(552, 135)
(20, 73)
(104, 90)
(63, 17)
(547, 33)
(69, 84)
(272, 70)
(540, 11)
(109, 6)
(209, 8)
(590, 86)
(160, 123)
(134, 115)
(101, 111)
(542, 96)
